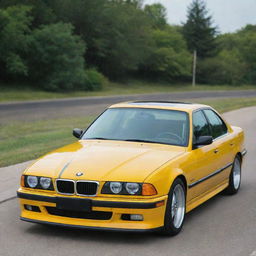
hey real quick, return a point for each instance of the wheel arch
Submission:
(239, 154)
(184, 180)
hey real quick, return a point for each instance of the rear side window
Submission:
(200, 125)
(218, 127)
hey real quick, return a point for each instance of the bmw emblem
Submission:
(79, 174)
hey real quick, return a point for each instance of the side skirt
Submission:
(206, 196)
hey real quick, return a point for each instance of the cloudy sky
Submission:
(229, 15)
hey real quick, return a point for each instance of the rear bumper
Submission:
(153, 214)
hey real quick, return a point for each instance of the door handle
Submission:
(216, 151)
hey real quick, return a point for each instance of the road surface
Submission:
(224, 226)
(38, 110)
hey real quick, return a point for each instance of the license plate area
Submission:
(74, 204)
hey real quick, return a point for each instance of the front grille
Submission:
(94, 215)
(66, 186)
(86, 188)
(70, 187)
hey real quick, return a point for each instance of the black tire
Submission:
(169, 228)
(233, 187)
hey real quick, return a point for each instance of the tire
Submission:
(234, 178)
(175, 209)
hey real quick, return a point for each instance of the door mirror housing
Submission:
(203, 141)
(77, 132)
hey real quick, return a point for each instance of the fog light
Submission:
(137, 217)
(28, 207)
(32, 208)
(133, 217)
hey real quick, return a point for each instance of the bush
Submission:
(56, 58)
(226, 68)
(93, 80)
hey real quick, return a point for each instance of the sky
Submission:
(229, 15)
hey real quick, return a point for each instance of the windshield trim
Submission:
(161, 143)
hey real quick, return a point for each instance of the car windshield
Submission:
(141, 125)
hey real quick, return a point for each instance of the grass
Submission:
(23, 141)
(24, 93)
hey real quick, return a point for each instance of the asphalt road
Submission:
(38, 110)
(225, 225)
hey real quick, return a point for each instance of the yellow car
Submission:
(140, 166)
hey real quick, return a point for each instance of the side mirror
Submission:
(77, 133)
(203, 141)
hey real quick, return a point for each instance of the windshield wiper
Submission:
(146, 141)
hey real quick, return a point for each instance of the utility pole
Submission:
(194, 68)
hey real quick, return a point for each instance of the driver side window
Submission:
(200, 125)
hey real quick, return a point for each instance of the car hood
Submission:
(105, 160)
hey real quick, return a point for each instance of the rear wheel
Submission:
(175, 209)
(234, 178)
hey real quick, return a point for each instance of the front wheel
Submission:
(234, 178)
(175, 209)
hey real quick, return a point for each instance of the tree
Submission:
(157, 14)
(242, 44)
(117, 40)
(199, 31)
(56, 58)
(14, 33)
(169, 59)
(247, 48)
(39, 10)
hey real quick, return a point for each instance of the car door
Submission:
(222, 141)
(203, 163)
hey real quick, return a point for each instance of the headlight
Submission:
(128, 188)
(37, 182)
(132, 188)
(115, 187)
(45, 182)
(32, 181)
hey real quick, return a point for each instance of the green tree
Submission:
(56, 58)
(117, 33)
(248, 52)
(41, 10)
(199, 31)
(14, 33)
(157, 14)
(242, 45)
(169, 59)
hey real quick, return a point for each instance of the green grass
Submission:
(23, 93)
(22, 141)
(225, 105)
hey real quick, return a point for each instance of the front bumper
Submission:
(153, 211)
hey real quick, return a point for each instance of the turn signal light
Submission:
(22, 181)
(148, 190)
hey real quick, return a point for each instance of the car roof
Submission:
(171, 105)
